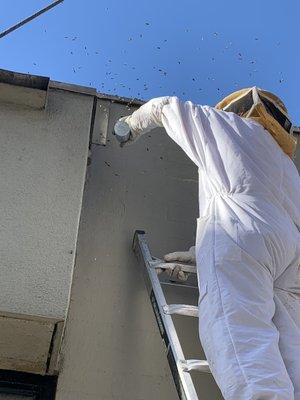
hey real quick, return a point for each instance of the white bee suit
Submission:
(247, 248)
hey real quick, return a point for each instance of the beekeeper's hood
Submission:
(268, 110)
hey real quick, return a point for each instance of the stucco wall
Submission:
(112, 347)
(43, 155)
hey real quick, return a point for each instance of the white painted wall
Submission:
(43, 156)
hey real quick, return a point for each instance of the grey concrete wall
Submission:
(112, 347)
(43, 156)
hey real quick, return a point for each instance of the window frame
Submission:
(39, 387)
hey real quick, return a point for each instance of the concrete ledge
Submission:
(23, 89)
(33, 98)
(30, 343)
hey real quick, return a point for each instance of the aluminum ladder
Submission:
(180, 367)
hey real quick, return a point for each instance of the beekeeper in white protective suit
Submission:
(248, 240)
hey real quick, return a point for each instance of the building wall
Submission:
(112, 347)
(43, 156)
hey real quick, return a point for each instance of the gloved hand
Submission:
(182, 256)
(146, 118)
(188, 257)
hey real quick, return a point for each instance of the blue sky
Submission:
(197, 50)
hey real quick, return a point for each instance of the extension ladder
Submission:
(180, 367)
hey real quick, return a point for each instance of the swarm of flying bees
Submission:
(159, 75)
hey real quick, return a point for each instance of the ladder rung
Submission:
(195, 365)
(178, 284)
(181, 309)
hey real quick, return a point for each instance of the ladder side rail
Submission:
(183, 381)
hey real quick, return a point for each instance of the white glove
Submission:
(182, 256)
(188, 257)
(146, 118)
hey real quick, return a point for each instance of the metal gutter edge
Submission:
(43, 83)
(70, 87)
(121, 100)
(24, 80)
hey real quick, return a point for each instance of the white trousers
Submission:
(249, 312)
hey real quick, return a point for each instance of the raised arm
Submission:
(184, 122)
(146, 118)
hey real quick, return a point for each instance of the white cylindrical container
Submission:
(122, 131)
